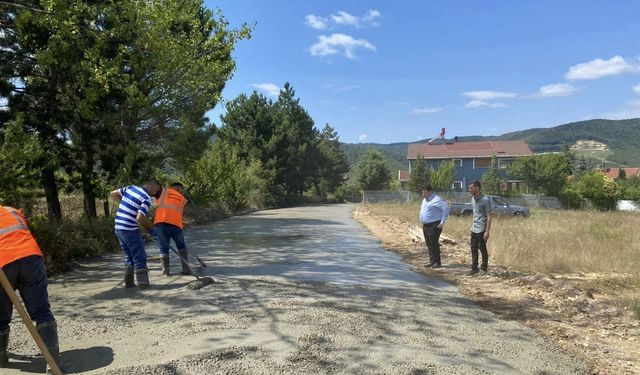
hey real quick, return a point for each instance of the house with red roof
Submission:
(471, 159)
(615, 172)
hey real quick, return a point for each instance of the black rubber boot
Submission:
(49, 333)
(184, 260)
(142, 278)
(165, 266)
(4, 344)
(128, 277)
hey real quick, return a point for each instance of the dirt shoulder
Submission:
(605, 336)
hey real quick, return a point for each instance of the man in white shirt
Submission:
(434, 212)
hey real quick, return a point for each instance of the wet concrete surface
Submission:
(301, 290)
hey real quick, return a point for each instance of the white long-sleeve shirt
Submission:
(434, 208)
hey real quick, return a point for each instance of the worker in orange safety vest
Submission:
(21, 261)
(168, 222)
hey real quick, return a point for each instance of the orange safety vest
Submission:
(170, 208)
(16, 241)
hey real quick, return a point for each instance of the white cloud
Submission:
(485, 98)
(556, 89)
(488, 95)
(316, 22)
(363, 137)
(268, 88)
(419, 111)
(599, 68)
(339, 44)
(343, 18)
(636, 88)
(371, 15)
(480, 104)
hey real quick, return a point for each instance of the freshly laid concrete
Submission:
(302, 290)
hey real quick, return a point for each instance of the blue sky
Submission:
(398, 71)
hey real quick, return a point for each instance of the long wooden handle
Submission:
(6, 285)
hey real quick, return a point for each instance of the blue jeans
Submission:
(133, 246)
(166, 232)
(29, 276)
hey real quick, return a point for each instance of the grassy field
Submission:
(599, 251)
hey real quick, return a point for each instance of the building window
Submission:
(516, 185)
(457, 186)
(504, 163)
(481, 163)
(457, 162)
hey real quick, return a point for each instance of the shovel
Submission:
(6, 285)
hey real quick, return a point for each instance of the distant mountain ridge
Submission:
(621, 136)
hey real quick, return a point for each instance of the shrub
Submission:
(220, 176)
(571, 198)
(350, 192)
(72, 239)
(600, 190)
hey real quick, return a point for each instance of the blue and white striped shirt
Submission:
(134, 199)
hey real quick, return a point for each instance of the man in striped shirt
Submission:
(134, 202)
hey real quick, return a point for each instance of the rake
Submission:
(200, 282)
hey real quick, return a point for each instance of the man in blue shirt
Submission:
(134, 202)
(434, 212)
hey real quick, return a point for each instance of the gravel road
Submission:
(301, 290)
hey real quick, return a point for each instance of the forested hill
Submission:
(395, 154)
(621, 136)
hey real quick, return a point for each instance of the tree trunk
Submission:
(51, 193)
(105, 206)
(88, 190)
(89, 199)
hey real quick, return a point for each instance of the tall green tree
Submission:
(491, 179)
(546, 174)
(295, 144)
(33, 89)
(281, 135)
(373, 173)
(442, 178)
(113, 72)
(333, 163)
(19, 151)
(420, 175)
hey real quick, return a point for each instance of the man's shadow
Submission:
(71, 361)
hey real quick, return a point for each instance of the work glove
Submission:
(153, 231)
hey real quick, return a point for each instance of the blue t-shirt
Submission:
(134, 199)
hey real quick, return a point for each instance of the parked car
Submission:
(498, 206)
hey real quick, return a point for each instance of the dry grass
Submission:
(598, 251)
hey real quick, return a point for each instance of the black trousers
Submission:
(432, 238)
(478, 242)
